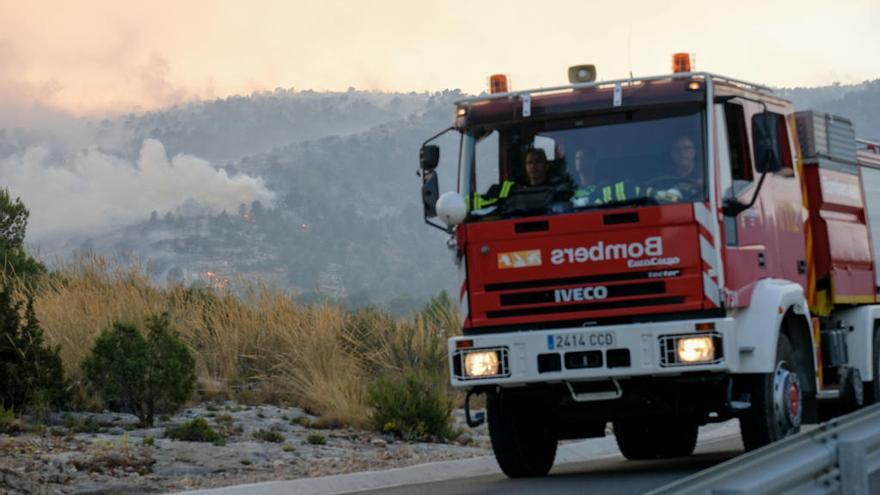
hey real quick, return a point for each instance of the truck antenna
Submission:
(629, 51)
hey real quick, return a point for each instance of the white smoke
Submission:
(95, 192)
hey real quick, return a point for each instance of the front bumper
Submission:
(585, 354)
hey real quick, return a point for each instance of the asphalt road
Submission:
(609, 475)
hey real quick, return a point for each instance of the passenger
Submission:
(585, 165)
(592, 191)
(684, 158)
(686, 180)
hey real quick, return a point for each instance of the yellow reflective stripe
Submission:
(621, 194)
(481, 202)
(606, 193)
(505, 189)
(638, 190)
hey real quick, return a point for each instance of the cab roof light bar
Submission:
(622, 82)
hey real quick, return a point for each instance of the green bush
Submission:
(269, 436)
(30, 373)
(315, 438)
(413, 406)
(76, 425)
(197, 430)
(8, 422)
(138, 375)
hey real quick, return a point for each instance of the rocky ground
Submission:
(85, 453)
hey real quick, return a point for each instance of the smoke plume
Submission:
(94, 192)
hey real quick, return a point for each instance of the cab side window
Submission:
(487, 161)
(738, 147)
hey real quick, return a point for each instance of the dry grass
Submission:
(258, 347)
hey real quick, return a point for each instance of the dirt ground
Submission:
(84, 453)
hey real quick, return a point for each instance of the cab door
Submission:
(744, 235)
(766, 240)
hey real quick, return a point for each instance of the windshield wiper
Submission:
(640, 201)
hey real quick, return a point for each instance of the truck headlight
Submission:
(696, 349)
(484, 363)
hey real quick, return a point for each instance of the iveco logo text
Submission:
(650, 251)
(581, 294)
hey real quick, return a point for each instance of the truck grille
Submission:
(589, 293)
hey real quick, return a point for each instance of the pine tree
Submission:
(13, 224)
(30, 373)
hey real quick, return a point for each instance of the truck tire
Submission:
(640, 439)
(522, 441)
(777, 401)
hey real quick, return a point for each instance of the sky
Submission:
(99, 57)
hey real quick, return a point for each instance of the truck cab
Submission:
(635, 252)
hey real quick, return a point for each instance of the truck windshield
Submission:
(636, 157)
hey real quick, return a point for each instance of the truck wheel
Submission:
(777, 401)
(655, 439)
(522, 441)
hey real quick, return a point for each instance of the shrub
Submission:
(138, 375)
(196, 430)
(269, 436)
(76, 425)
(30, 373)
(149, 441)
(315, 438)
(8, 422)
(413, 406)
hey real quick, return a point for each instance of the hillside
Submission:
(859, 103)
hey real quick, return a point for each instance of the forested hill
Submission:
(859, 103)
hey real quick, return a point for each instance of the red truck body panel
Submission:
(583, 267)
(842, 249)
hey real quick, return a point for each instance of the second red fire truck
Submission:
(694, 251)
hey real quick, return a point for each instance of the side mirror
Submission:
(765, 137)
(429, 157)
(430, 192)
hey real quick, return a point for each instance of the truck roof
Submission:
(498, 108)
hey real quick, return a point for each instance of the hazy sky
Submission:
(91, 57)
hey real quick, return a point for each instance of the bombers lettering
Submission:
(652, 247)
(581, 294)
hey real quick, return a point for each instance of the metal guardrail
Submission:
(841, 456)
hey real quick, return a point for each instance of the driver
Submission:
(538, 174)
(686, 180)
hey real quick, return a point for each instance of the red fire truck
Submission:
(694, 251)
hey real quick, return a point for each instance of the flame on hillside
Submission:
(216, 281)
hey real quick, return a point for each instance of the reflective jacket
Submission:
(609, 193)
(491, 197)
